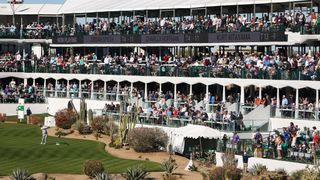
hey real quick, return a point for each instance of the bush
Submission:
(229, 160)
(92, 167)
(111, 128)
(297, 175)
(60, 133)
(102, 176)
(258, 169)
(20, 174)
(217, 173)
(3, 117)
(65, 118)
(35, 120)
(84, 129)
(311, 173)
(135, 173)
(233, 173)
(147, 139)
(169, 166)
(272, 175)
(99, 124)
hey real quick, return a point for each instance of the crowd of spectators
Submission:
(33, 30)
(289, 142)
(304, 22)
(10, 93)
(274, 65)
(216, 23)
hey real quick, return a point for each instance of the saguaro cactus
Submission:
(82, 114)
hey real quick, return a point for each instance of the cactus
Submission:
(82, 115)
(20, 174)
(90, 116)
(127, 122)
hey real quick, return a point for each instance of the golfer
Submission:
(44, 134)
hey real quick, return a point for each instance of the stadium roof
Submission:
(81, 6)
(30, 9)
(91, 6)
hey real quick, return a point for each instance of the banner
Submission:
(219, 37)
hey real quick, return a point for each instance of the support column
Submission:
(68, 89)
(105, 91)
(190, 93)
(55, 89)
(278, 103)
(25, 81)
(317, 103)
(160, 89)
(74, 20)
(207, 99)
(242, 95)
(33, 82)
(296, 112)
(224, 94)
(131, 91)
(63, 22)
(146, 92)
(175, 103)
(44, 88)
(92, 90)
(260, 92)
(118, 89)
(80, 90)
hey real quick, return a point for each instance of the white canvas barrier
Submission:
(49, 121)
(271, 164)
(279, 123)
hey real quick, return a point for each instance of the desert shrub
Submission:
(99, 124)
(217, 174)
(258, 169)
(20, 174)
(297, 175)
(311, 173)
(92, 167)
(229, 160)
(193, 168)
(65, 118)
(147, 139)
(102, 176)
(272, 175)
(3, 117)
(135, 173)
(35, 120)
(111, 128)
(168, 167)
(60, 133)
(84, 129)
(233, 173)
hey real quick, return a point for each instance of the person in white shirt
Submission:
(44, 134)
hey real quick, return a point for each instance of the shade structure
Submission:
(197, 131)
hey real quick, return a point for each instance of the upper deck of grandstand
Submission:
(150, 17)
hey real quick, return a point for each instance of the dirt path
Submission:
(131, 154)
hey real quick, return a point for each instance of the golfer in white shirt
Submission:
(44, 134)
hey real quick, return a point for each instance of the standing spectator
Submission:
(245, 159)
(28, 115)
(235, 140)
(224, 141)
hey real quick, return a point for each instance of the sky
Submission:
(38, 1)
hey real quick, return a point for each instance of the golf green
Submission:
(20, 148)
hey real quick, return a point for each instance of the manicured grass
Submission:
(20, 147)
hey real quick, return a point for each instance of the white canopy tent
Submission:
(177, 136)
